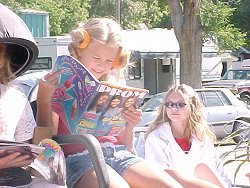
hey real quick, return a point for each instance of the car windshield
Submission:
(153, 103)
(237, 75)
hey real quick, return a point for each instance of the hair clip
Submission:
(86, 39)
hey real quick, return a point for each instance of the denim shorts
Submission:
(116, 157)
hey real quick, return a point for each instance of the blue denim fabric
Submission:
(117, 158)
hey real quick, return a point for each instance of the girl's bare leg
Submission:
(89, 180)
(142, 175)
(202, 171)
(190, 181)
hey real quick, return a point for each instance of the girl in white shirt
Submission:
(180, 139)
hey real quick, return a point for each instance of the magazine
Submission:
(51, 162)
(87, 105)
(8, 147)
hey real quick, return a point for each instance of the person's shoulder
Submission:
(209, 141)
(16, 91)
(10, 90)
(159, 130)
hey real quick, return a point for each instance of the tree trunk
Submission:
(186, 24)
(191, 60)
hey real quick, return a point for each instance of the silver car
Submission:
(222, 109)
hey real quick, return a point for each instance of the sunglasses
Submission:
(175, 105)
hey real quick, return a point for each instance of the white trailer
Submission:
(49, 49)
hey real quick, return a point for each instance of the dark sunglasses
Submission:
(175, 105)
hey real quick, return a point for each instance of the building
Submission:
(157, 59)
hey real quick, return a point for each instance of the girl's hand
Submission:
(132, 116)
(15, 159)
(48, 84)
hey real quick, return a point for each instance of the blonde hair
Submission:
(6, 73)
(196, 123)
(103, 30)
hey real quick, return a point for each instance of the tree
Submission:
(188, 31)
(192, 27)
(133, 12)
(74, 11)
(215, 21)
(63, 14)
(241, 17)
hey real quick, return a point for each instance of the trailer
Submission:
(49, 49)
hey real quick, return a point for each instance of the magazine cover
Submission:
(90, 106)
(7, 147)
(75, 88)
(103, 115)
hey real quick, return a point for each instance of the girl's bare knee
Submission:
(202, 166)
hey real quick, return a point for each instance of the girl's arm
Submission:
(45, 115)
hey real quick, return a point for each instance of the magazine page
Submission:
(75, 88)
(103, 115)
(8, 147)
(51, 162)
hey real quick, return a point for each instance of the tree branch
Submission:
(176, 17)
(191, 16)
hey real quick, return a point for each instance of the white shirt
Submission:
(17, 122)
(162, 149)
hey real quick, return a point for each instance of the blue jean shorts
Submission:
(116, 157)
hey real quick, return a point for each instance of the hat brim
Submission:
(20, 44)
(23, 53)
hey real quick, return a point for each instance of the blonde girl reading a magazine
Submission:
(97, 44)
(180, 139)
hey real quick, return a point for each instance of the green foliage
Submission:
(133, 12)
(74, 11)
(63, 14)
(12, 4)
(215, 21)
(241, 17)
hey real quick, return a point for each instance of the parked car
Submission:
(237, 80)
(221, 109)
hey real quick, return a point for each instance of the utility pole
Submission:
(118, 10)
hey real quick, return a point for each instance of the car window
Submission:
(200, 97)
(237, 75)
(224, 98)
(153, 103)
(211, 98)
